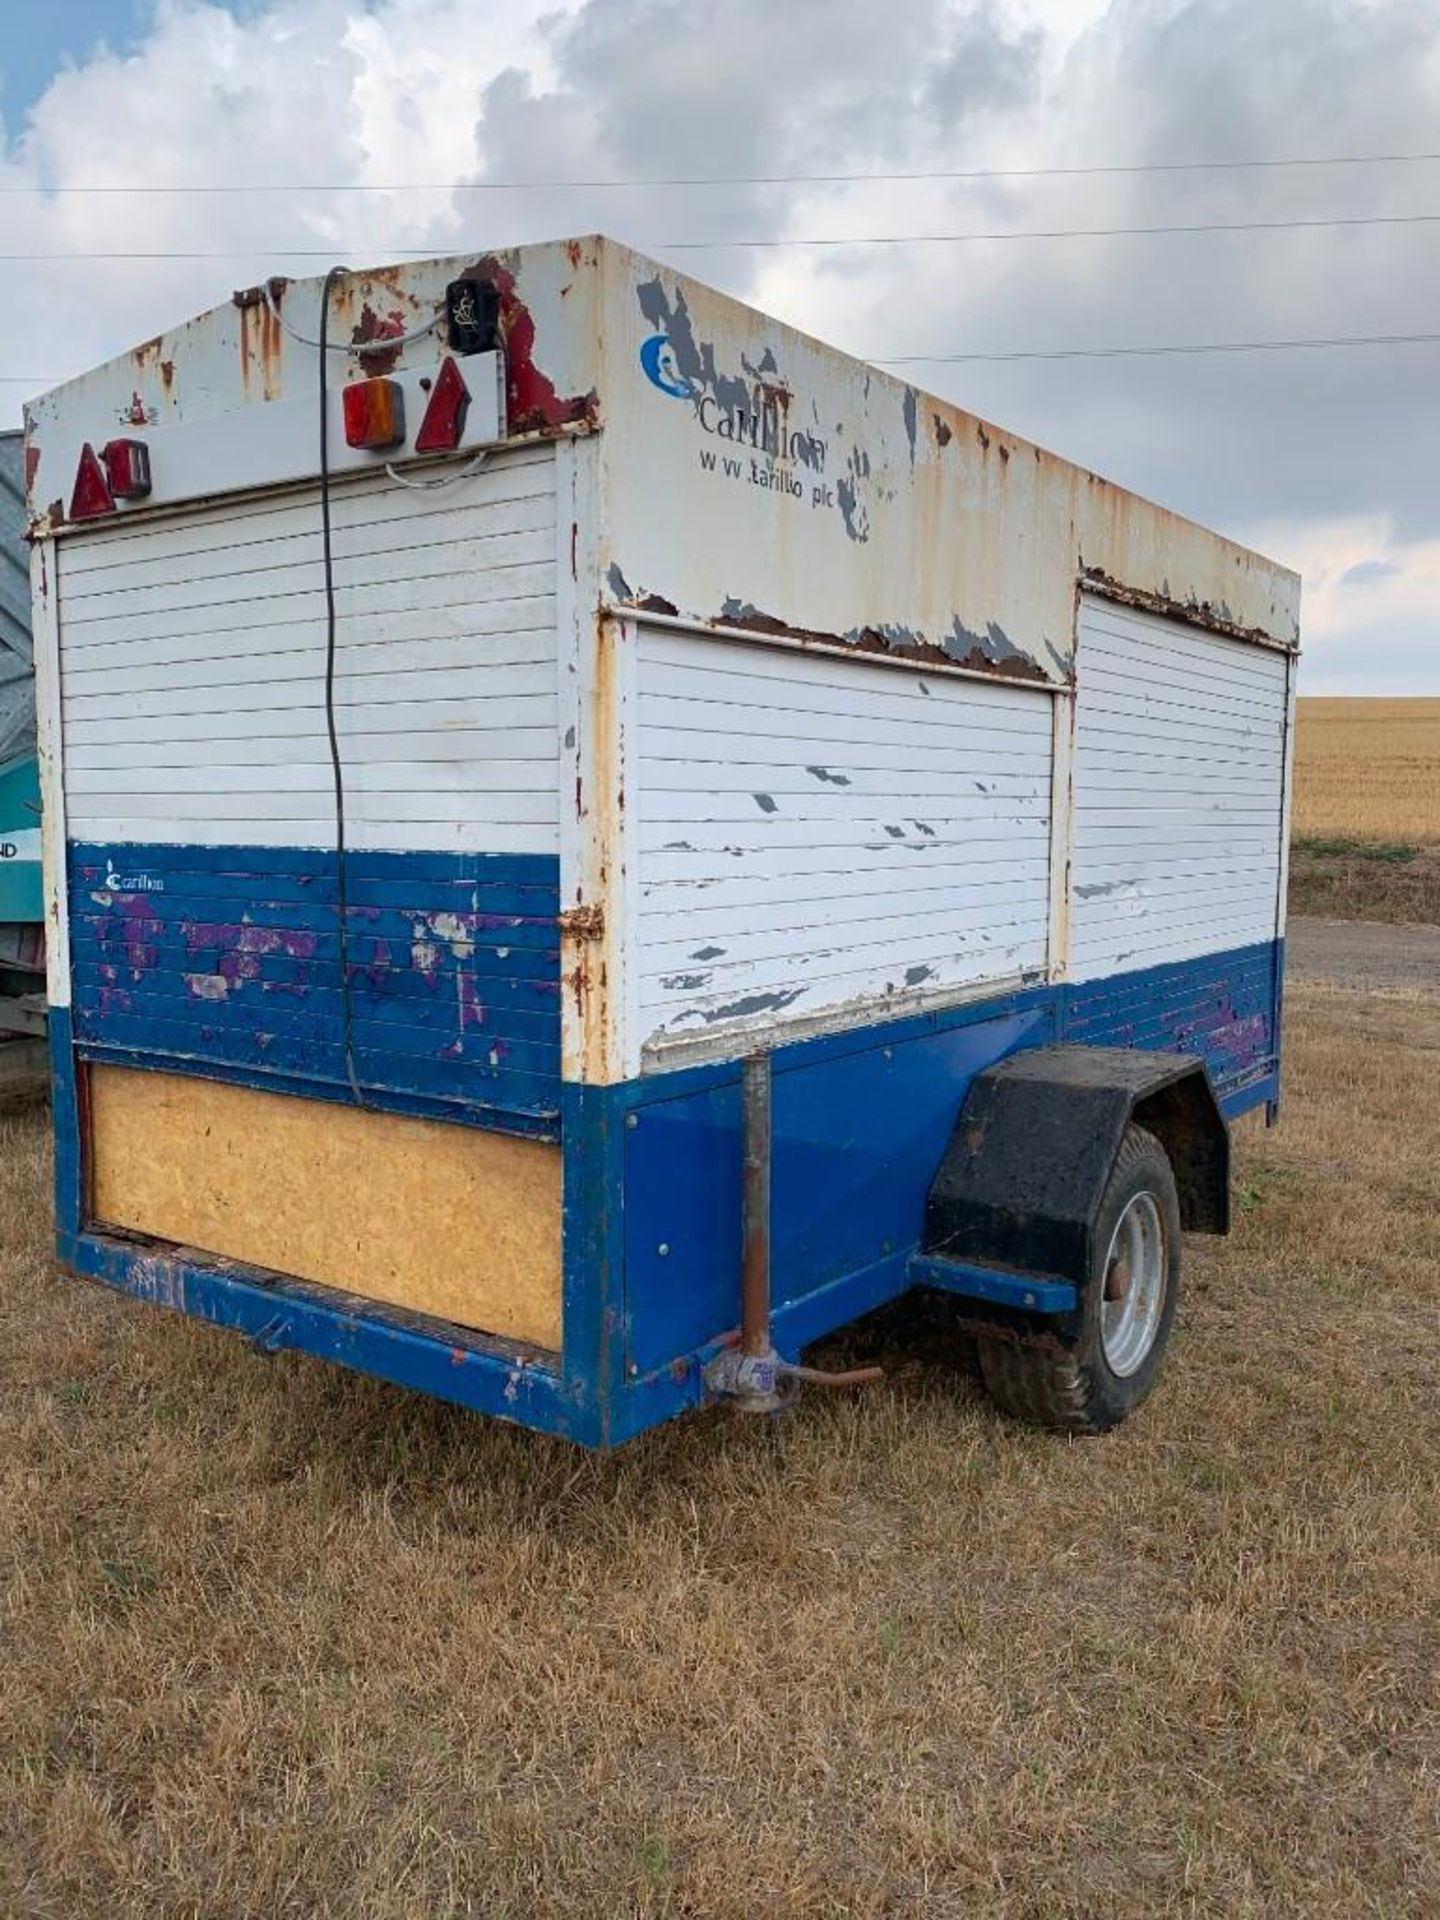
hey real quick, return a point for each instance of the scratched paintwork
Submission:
(829, 500)
(1221, 1007)
(238, 355)
(754, 478)
(229, 960)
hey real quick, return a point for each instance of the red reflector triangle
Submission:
(444, 424)
(92, 495)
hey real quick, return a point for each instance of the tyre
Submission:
(1126, 1312)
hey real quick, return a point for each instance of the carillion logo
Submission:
(662, 369)
(760, 422)
(132, 882)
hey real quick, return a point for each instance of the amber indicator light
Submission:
(374, 414)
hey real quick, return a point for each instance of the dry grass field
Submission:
(277, 1641)
(1367, 810)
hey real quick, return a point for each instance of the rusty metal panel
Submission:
(253, 350)
(761, 480)
(754, 479)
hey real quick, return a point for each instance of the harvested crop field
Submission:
(1368, 769)
(1366, 842)
(283, 1642)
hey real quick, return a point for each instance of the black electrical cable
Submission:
(347, 1010)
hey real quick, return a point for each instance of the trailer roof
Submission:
(576, 316)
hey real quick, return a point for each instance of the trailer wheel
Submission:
(1127, 1311)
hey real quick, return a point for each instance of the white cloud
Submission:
(1328, 456)
(1371, 618)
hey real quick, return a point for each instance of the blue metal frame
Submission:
(597, 1393)
(1039, 1293)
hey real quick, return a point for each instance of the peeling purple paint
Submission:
(238, 967)
(470, 1011)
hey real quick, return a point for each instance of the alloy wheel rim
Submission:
(1135, 1286)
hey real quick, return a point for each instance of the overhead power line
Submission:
(1047, 353)
(387, 251)
(741, 179)
(1122, 353)
(1061, 233)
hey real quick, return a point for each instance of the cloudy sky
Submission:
(1327, 457)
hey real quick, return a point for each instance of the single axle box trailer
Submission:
(591, 839)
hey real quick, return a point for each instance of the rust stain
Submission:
(585, 937)
(272, 349)
(532, 403)
(32, 465)
(261, 340)
(874, 640)
(944, 433)
(135, 413)
(1011, 668)
(1199, 613)
(373, 326)
(583, 923)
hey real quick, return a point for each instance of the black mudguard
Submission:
(1033, 1148)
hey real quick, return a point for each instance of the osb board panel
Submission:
(444, 1219)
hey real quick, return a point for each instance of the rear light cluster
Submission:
(375, 413)
(120, 471)
(374, 417)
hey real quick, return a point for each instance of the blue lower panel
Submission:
(226, 960)
(859, 1126)
(1221, 1007)
(861, 1122)
(652, 1167)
